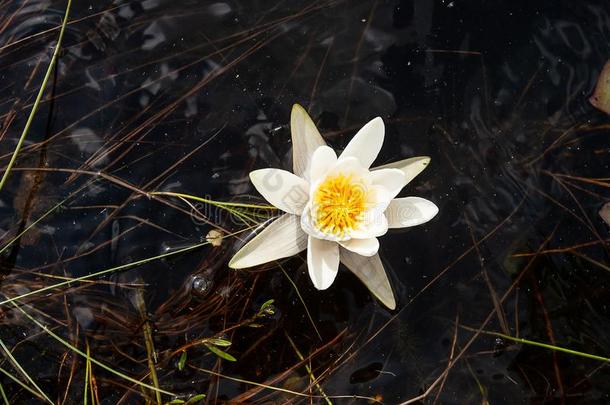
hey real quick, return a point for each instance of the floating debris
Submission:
(601, 96)
(214, 237)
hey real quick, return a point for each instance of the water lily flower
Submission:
(336, 207)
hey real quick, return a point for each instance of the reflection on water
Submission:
(188, 97)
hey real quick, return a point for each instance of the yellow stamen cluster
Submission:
(340, 204)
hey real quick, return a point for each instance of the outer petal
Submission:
(305, 140)
(322, 262)
(364, 247)
(282, 189)
(370, 271)
(410, 211)
(411, 167)
(282, 238)
(323, 159)
(393, 180)
(366, 144)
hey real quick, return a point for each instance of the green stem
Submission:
(219, 204)
(100, 273)
(26, 129)
(23, 372)
(88, 358)
(547, 346)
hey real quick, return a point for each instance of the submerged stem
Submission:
(543, 345)
(28, 123)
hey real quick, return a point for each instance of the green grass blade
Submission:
(89, 358)
(23, 372)
(4, 398)
(28, 123)
(550, 347)
(30, 226)
(25, 386)
(87, 371)
(113, 269)
(101, 273)
(543, 345)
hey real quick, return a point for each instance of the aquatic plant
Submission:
(336, 207)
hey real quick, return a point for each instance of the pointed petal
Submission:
(282, 238)
(323, 159)
(410, 211)
(282, 189)
(364, 247)
(371, 272)
(366, 144)
(322, 262)
(411, 167)
(393, 180)
(305, 140)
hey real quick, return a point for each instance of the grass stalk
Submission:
(312, 377)
(23, 372)
(113, 269)
(25, 386)
(218, 204)
(30, 226)
(47, 75)
(101, 273)
(86, 356)
(140, 305)
(3, 394)
(296, 289)
(543, 345)
(87, 371)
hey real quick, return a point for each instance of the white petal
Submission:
(322, 262)
(323, 159)
(350, 166)
(411, 167)
(308, 226)
(410, 211)
(282, 189)
(375, 224)
(393, 180)
(305, 140)
(364, 247)
(370, 271)
(282, 238)
(366, 144)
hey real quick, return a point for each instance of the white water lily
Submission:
(336, 207)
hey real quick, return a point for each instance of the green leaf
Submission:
(182, 360)
(266, 304)
(195, 398)
(220, 353)
(175, 402)
(219, 342)
(255, 325)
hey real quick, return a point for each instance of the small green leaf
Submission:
(175, 402)
(195, 398)
(182, 360)
(220, 353)
(266, 304)
(219, 342)
(255, 325)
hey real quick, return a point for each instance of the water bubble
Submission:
(201, 285)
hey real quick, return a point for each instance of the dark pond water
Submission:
(189, 96)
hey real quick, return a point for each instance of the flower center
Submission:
(340, 204)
